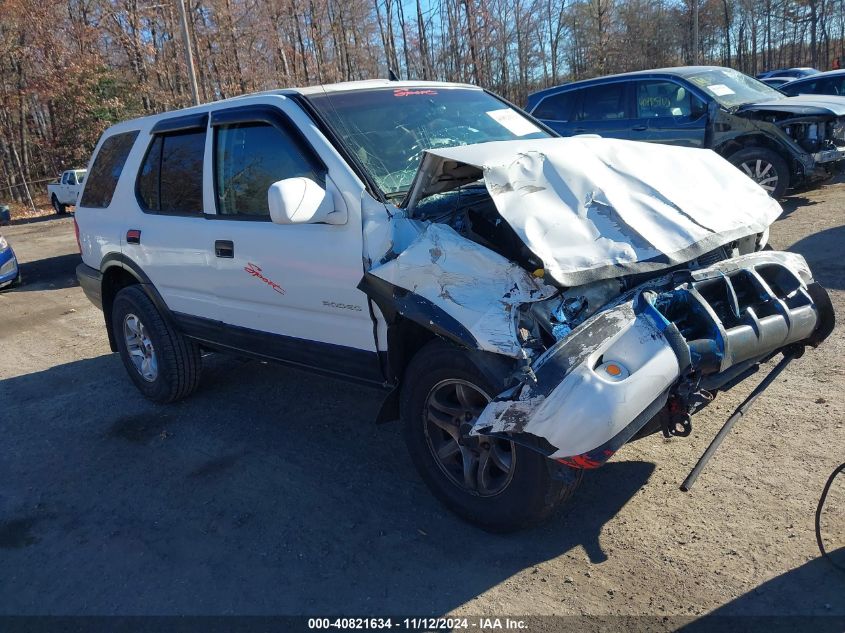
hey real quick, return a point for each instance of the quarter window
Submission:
(170, 180)
(248, 158)
(602, 103)
(106, 170)
(556, 107)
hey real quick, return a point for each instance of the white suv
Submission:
(529, 303)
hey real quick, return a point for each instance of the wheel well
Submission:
(404, 339)
(752, 140)
(114, 279)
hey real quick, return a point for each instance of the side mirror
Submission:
(302, 201)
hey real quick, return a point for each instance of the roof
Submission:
(348, 86)
(682, 71)
(817, 76)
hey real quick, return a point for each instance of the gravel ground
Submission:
(271, 491)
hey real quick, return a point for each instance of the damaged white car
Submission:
(531, 303)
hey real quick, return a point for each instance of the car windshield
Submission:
(731, 88)
(388, 129)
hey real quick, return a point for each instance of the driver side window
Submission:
(248, 158)
(666, 99)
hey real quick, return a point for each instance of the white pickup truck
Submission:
(529, 303)
(66, 189)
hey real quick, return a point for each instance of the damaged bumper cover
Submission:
(666, 337)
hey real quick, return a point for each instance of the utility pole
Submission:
(695, 32)
(189, 55)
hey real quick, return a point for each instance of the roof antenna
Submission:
(391, 74)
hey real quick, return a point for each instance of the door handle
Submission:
(640, 128)
(224, 248)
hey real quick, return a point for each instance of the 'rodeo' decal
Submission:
(255, 271)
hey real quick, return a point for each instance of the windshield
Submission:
(388, 129)
(731, 88)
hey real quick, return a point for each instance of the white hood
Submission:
(593, 208)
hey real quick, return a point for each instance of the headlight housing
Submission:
(9, 267)
(3, 243)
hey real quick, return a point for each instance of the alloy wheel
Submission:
(140, 347)
(479, 465)
(762, 172)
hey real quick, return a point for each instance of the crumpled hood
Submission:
(593, 208)
(803, 105)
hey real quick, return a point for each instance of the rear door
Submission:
(168, 235)
(604, 110)
(670, 113)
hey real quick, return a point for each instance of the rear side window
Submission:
(248, 158)
(602, 103)
(170, 179)
(106, 170)
(556, 107)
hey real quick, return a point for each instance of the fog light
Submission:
(613, 371)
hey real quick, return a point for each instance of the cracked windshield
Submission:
(424, 119)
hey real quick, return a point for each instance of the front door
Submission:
(297, 281)
(670, 113)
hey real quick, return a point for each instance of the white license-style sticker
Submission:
(516, 124)
(720, 90)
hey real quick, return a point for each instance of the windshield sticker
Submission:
(513, 122)
(720, 90)
(404, 92)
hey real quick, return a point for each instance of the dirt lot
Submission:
(272, 491)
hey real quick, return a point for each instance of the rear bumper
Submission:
(91, 281)
(672, 340)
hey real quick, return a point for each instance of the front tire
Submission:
(765, 167)
(495, 484)
(163, 364)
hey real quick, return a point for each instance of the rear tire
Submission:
(60, 208)
(163, 364)
(765, 167)
(517, 489)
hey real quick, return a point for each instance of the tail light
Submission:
(76, 231)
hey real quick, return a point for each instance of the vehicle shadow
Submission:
(51, 273)
(815, 590)
(38, 218)
(823, 251)
(270, 491)
(794, 202)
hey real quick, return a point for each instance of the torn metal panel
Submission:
(594, 208)
(476, 287)
(662, 341)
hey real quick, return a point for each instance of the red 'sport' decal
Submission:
(404, 92)
(255, 271)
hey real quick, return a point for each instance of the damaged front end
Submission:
(658, 354)
(606, 294)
